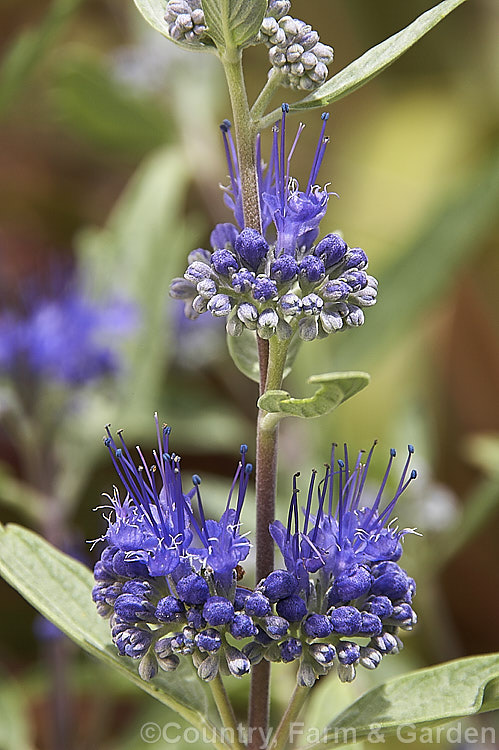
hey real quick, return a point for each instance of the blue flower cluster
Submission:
(281, 281)
(169, 578)
(62, 337)
(342, 597)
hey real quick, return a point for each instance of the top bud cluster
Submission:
(295, 52)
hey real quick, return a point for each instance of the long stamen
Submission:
(225, 128)
(375, 506)
(301, 128)
(320, 509)
(319, 154)
(246, 470)
(130, 481)
(152, 492)
(200, 529)
(159, 456)
(410, 453)
(386, 513)
(340, 509)
(233, 485)
(331, 481)
(402, 486)
(293, 508)
(353, 486)
(282, 175)
(364, 477)
(309, 500)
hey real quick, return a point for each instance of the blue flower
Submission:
(249, 276)
(63, 337)
(153, 579)
(223, 547)
(152, 524)
(341, 539)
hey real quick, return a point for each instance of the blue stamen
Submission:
(319, 155)
(309, 500)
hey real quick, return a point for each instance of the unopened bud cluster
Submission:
(185, 19)
(277, 623)
(295, 51)
(150, 623)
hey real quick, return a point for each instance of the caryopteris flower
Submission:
(167, 576)
(343, 595)
(282, 281)
(62, 337)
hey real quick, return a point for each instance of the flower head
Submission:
(342, 578)
(281, 281)
(347, 535)
(166, 568)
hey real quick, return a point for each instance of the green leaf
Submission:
(420, 699)
(233, 23)
(117, 120)
(374, 61)
(28, 49)
(61, 589)
(140, 248)
(334, 389)
(244, 352)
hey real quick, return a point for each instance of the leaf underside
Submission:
(334, 388)
(60, 588)
(421, 699)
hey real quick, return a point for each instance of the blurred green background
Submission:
(110, 160)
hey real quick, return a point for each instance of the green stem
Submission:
(225, 710)
(266, 485)
(272, 357)
(266, 94)
(266, 461)
(281, 737)
(245, 134)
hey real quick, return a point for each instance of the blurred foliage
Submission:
(92, 106)
(113, 161)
